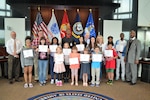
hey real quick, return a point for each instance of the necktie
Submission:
(15, 46)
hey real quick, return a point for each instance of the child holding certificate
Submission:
(66, 62)
(85, 67)
(55, 42)
(96, 66)
(42, 60)
(27, 62)
(74, 65)
(59, 67)
(110, 63)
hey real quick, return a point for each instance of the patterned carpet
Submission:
(70, 95)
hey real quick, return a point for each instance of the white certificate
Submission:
(80, 47)
(28, 53)
(59, 58)
(66, 51)
(108, 53)
(84, 57)
(119, 48)
(97, 57)
(53, 48)
(73, 61)
(43, 48)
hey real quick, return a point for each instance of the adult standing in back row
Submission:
(133, 51)
(13, 48)
(35, 44)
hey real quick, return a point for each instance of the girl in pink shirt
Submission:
(74, 67)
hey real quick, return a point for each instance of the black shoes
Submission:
(132, 83)
(11, 82)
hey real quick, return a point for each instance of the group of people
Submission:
(69, 59)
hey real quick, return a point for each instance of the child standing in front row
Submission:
(59, 67)
(74, 67)
(95, 68)
(66, 62)
(42, 62)
(85, 69)
(27, 63)
(111, 64)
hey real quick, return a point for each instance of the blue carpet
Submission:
(70, 95)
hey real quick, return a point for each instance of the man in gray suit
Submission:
(133, 51)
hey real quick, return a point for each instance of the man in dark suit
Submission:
(133, 51)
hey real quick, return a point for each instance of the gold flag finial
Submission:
(64, 9)
(39, 8)
(90, 10)
(52, 10)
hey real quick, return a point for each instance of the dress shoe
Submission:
(132, 83)
(10, 82)
(36, 81)
(128, 81)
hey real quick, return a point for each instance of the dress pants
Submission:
(121, 60)
(13, 67)
(131, 72)
(95, 73)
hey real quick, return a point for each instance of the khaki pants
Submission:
(13, 67)
(95, 73)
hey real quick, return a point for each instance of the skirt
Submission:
(85, 68)
(59, 68)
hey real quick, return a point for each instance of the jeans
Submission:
(42, 70)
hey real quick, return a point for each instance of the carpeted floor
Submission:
(119, 91)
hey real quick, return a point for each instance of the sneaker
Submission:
(26, 85)
(57, 83)
(60, 83)
(72, 83)
(41, 84)
(92, 85)
(56, 80)
(97, 85)
(86, 84)
(44, 82)
(123, 79)
(117, 79)
(111, 82)
(52, 81)
(108, 82)
(30, 85)
(76, 84)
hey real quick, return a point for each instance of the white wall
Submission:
(17, 25)
(112, 28)
(143, 13)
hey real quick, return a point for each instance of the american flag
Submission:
(39, 25)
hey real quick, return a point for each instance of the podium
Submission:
(145, 75)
